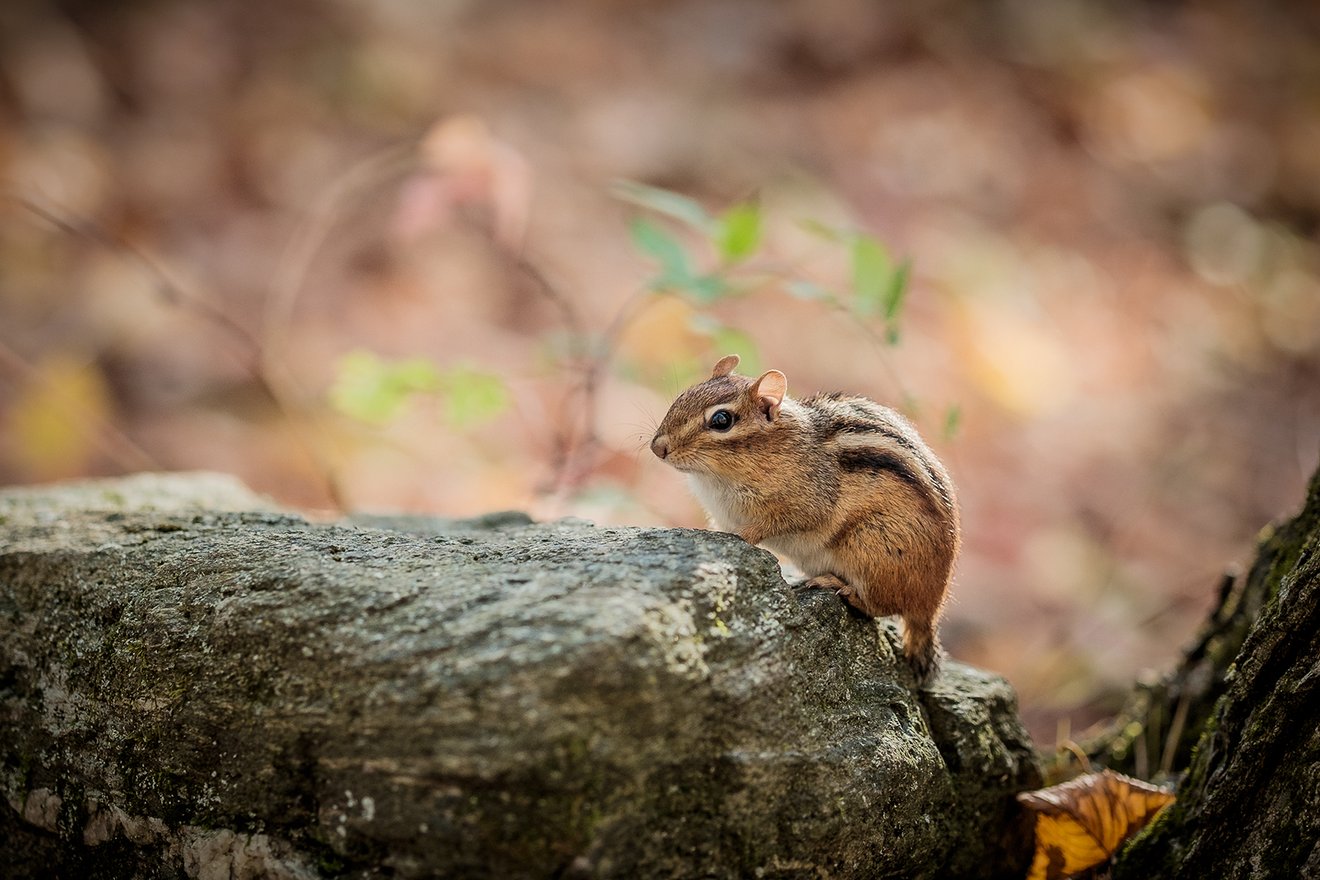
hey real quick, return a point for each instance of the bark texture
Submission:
(195, 684)
(1249, 804)
(1157, 730)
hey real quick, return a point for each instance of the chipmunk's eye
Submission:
(721, 420)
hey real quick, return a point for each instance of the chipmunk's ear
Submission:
(724, 366)
(768, 391)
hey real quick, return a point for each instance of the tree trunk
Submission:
(1242, 715)
(1153, 736)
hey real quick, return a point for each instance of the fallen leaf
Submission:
(53, 422)
(1081, 823)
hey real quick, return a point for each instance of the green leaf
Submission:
(738, 232)
(727, 340)
(472, 396)
(662, 201)
(952, 421)
(705, 289)
(676, 273)
(896, 290)
(373, 390)
(655, 242)
(871, 271)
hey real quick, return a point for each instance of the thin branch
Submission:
(1176, 728)
(295, 262)
(577, 438)
(169, 289)
(593, 374)
(178, 296)
(567, 310)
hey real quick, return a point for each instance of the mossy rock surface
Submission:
(191, 688)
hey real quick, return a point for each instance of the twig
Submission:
(785, 271)
(567, 311)
(1175, 733)
(578, 438)
(565, 448)
(601, 358)
(290, 273)
(1141, 754)
(170, 290)
(287, 284)
(176, 295)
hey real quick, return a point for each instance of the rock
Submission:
(166, 492)
(196, 691)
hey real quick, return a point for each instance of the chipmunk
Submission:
(843, 487)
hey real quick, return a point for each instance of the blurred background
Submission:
(371, 255)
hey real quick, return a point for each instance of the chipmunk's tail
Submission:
(921, 649)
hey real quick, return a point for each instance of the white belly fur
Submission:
(807, 552)
(723, 503)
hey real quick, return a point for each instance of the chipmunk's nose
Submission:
(660, 446)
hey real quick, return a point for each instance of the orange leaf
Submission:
(1081, 823)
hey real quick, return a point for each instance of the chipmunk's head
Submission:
(713, 427)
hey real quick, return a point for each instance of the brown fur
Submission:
(842, 486)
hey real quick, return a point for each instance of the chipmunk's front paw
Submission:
(832, 582)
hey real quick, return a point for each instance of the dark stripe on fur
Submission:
(861, 458)
(834, 427)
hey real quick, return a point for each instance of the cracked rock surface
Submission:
(194, 683)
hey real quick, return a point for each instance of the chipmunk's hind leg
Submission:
(921, 649)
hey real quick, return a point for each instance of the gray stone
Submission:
(187, 690)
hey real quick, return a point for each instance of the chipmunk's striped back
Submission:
(866, 436)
